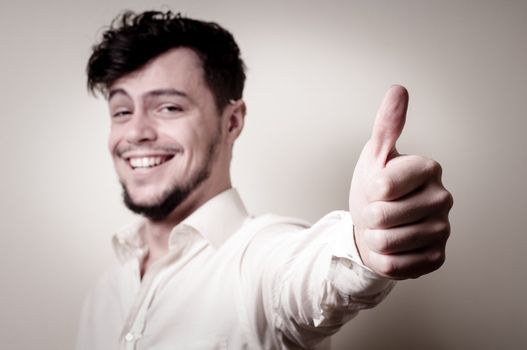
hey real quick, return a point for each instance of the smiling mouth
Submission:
(147, 162)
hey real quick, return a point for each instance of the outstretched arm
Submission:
(320, 277)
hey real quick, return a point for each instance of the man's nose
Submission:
(141, 129)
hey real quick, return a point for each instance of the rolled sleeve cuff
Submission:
(348, 267)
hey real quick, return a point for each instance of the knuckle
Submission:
(444, 199)
(383, 187)
(380, 242)
(433, 168)
(377, 216)
(386, 266)
(442, 229)
(450, 200)
(435, 259)
(446, 230)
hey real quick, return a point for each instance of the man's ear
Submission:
(233, 120)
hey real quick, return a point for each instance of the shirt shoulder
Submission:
(275, 239)
(271, 225)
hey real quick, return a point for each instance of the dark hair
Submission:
(134, 39)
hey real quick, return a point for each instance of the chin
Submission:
(145, 198)
(154, 207)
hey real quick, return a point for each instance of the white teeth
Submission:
(145, 162)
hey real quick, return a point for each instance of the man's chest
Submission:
(194, 302)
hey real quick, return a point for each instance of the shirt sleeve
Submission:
(314, 280)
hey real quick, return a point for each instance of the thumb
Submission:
(389, 123)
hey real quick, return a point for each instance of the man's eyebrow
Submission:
(153, 93)
(114, 92)
(166, 92)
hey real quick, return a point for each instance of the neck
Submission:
(157, 233)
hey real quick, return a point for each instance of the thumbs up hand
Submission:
(397, 202)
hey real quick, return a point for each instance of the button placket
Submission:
(182, 246)
(129, 337)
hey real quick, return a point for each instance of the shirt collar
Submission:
(216, 221)
(128, 242)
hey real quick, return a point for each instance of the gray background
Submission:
(317, 72)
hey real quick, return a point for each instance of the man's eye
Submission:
(122, 113)
(170, 109)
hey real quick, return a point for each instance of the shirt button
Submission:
(129, 337)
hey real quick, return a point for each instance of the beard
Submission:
(175, 195)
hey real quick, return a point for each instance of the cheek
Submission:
(113, 140)
(187, 133)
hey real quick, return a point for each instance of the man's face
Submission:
(165, 132)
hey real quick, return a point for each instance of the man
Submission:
(197, 271)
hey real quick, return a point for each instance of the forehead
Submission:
(179, 68)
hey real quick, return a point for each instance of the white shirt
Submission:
(232, 281)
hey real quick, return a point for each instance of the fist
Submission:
(397, 202)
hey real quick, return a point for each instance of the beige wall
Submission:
(317, 71)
